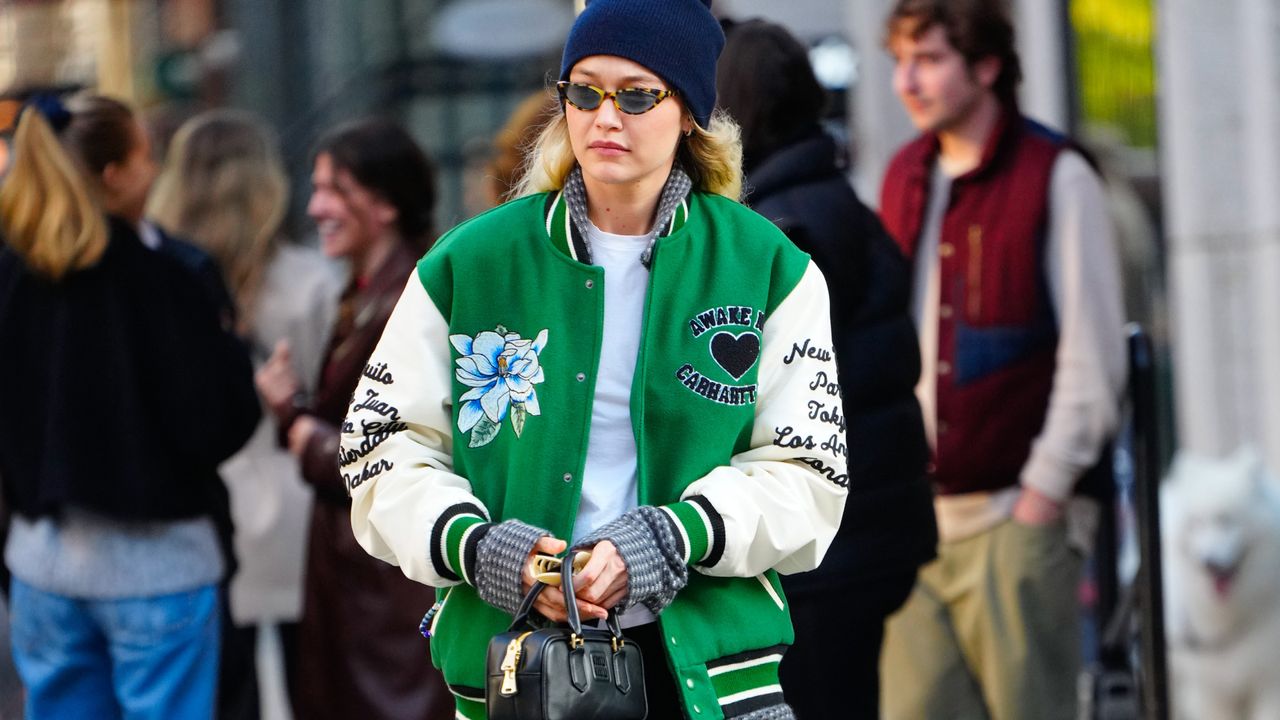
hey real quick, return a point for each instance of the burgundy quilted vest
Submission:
(997, 335)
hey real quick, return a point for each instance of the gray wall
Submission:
(1219, 74)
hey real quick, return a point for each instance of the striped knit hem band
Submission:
(747, 682)
(468, 702)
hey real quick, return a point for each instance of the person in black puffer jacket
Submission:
(766, 82)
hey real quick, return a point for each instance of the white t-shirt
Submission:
(609, 478)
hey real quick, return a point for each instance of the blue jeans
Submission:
(148, 657)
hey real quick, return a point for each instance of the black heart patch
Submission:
(735, 353)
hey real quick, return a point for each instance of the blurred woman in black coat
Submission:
(766, 82)
(122, 394)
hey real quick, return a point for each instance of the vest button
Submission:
(591, 284)
(568, 477)
(943, 427)
(931, 467)
(944, 367)
(944, 311)
(946, 250)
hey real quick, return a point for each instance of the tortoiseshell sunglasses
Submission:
(632, 101)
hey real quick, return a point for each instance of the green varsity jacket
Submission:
(476, 406)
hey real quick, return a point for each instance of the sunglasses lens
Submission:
(635, 101)
(582, 96)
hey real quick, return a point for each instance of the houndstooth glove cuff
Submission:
(500, 559)
(646, 540)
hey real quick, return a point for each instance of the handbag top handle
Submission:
(521, 618)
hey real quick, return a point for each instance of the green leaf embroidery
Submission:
(517, 418)
(483, 433)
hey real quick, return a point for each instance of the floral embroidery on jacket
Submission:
(501, 369)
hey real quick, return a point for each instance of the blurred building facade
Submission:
(1220, 170)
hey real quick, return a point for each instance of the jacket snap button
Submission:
(697, 709)
(591, 284)
(689, 683)
(673, 640)
(568, 477)
(582, 376)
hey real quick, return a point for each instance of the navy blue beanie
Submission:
(677, 39)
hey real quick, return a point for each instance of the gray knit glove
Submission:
(646, 540)
(500, 559)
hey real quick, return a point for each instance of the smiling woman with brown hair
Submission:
(622, 360)
(373, 192)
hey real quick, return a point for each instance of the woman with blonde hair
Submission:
(624, 360)
(223, 186)
(122, 393)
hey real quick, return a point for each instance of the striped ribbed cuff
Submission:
(454, 538)
(700, 528)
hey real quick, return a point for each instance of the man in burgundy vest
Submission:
(1016, 296)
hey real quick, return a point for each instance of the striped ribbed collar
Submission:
(567, 223)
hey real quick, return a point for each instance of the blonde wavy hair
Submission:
(711, 157)
(224, 187)
(49, 214)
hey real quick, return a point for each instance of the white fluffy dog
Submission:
(1221, 531)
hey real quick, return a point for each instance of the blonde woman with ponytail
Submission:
(622, 360)
(122, 394)
(46, 209)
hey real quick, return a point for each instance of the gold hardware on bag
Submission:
(509, 663)
(576, 641)
(617, 643)
(546, 568)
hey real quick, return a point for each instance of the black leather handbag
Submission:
(563, 673)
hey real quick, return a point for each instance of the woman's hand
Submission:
(603, 582)
(550, 603)
(300, 433)
(277, 383)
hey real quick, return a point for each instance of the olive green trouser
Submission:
(990, 632)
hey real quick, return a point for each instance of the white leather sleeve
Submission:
(780, 502)
(396, 451)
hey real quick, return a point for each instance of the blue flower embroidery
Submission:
(501, 369)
